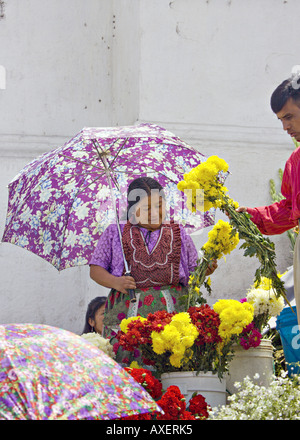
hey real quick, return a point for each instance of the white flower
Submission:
(279, 401)
(100, 342)
(265, 301)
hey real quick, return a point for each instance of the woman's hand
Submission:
(104, 278)
(212, 267)
(124, 283)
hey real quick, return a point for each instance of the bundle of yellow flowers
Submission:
(222, 239)
(177, 337)
(234, 316)
(207, 178)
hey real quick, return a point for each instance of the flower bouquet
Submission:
(207, 177)
(222, 239)
(100, 342)
(265, 303)
(199, 339)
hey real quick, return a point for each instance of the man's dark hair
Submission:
(289, 88)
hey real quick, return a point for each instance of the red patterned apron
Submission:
(160, 267)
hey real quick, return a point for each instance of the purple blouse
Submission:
(108, 252)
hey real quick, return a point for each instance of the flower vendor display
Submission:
(207, 177)
(100, 342)
(171, 401)
(199, 339)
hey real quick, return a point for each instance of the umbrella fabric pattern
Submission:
(50, 373)
(60, 203)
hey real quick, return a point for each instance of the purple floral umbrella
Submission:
(61, 202)
(51, 373)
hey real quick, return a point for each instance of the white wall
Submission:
(204, 69)
(69, 64)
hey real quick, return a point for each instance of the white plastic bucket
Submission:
(258, 360)
(207, 384)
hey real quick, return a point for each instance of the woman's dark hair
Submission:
(141, 187)
(289, 88)
(93, 306)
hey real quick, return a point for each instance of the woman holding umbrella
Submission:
(160, 255)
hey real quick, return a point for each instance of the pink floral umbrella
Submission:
(51, 373)
(61, 202)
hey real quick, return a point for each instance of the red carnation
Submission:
(172, 403)
(207, 322)
(147, 380)
(198, 406)
(186, 415)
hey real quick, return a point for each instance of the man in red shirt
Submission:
(281, 216)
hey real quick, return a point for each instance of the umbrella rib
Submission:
(154, 170)
(104, 162)
(81, 161)
(118, 152)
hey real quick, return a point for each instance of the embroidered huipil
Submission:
(281, 216)
(108, 252)
(158, 267)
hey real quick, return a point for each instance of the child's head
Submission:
(146, 203)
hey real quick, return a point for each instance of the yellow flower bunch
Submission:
(207, 177)
(234, 317)
(177, 337)
(204, 177)
(221, 240)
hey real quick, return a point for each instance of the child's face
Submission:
(151, 211)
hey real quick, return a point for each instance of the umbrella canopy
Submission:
(61, 202)
(50, 373)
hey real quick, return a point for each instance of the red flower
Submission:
(172, 403)
(148, 300)
(198, 406)
(163, 300)
(186, 415)
(146, 416)
(207, 322)
(145, 378)
(116, 347)
(250, 337)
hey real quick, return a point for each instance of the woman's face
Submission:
(97, 323)
(151, 211)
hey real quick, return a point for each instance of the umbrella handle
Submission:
(131, 291)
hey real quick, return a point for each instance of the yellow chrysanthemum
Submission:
(176, 337)
(221, 241)
(234, 316)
